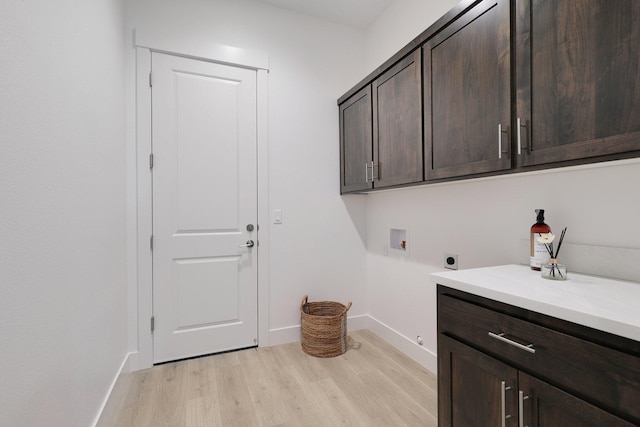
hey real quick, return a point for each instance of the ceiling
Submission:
(355, 13)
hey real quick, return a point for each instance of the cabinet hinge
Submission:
(151, 161)
(150, 80)
(151, 242)
(153, 323)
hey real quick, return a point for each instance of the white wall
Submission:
(62, 214)
(331, 246)
(319, 248)
(400, 23)
(483, 221)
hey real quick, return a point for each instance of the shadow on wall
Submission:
(356, 205)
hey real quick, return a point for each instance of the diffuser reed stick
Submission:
(547, 239)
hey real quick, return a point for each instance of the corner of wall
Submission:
(425, 357)
(129, 360)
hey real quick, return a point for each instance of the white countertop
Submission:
(609, 305)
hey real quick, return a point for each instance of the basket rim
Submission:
(305, 302)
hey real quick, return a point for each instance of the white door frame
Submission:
(214, 53)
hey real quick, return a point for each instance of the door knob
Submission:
(249, 244)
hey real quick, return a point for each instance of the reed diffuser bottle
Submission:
(539, 254)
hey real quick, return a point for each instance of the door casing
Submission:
(143, 357)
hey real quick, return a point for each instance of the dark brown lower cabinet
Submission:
(479, 390)
(473, 387)
(503, 366)
(545, 405)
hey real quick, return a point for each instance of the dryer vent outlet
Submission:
(451, 261)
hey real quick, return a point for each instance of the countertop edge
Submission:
(505, 284)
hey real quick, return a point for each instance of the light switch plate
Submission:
(277, 216)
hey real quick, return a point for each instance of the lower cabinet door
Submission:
(544, 405)
(474, 389)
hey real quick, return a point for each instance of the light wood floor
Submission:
(372, 384)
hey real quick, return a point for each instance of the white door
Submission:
(204, 206)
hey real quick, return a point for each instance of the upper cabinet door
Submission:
(578, 79)
(356, 143)
(467, 105)
(397, 125)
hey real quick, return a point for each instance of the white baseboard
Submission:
(291, 334)
(132, 363)
(423, 356)
(123, 368)
(284, 335)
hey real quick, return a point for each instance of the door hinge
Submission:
(150, 80)
(151, 161)
(151, 242)
(153, 323)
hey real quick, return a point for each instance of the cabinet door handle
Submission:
(375, 176)
(366, 171)
(501, 337)
(521, 399)
(505, 416)
(500, 132)
(519, 138)
(520, 126)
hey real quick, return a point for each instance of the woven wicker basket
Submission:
(324, 327)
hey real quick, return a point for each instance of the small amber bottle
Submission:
(539, 253)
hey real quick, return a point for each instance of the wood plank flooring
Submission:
(372, 384)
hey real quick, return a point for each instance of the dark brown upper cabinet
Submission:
(578, 79)
(397, 124)
(505, 86)
(467, 109)
(356, 144)
(381, 130)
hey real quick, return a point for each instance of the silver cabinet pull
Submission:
(499, 140)
(520, 126)
(366, 171)
(500, 132)
(501, 337)
(249, 244)
(519, 138)
(521, 399)
(505, 416)
(374, 176)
